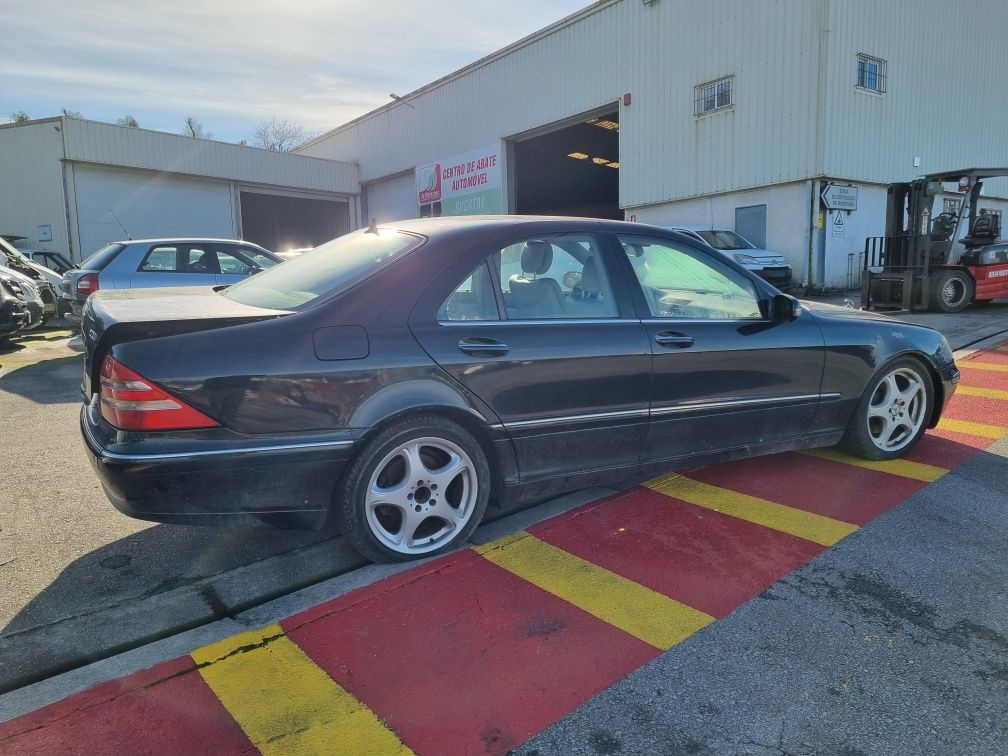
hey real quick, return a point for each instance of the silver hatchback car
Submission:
(146, 263)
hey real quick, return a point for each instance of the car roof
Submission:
(452, 223)
(185, 239)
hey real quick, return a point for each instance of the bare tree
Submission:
(68, 113)
(280, 134)
(195, 128)
(19, 116)
(128, 120)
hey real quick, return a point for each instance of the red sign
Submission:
(432, 184)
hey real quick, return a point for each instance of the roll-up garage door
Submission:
(392, 198)
(148, 205)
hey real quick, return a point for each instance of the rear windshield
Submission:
(101, 258)
(334, 265)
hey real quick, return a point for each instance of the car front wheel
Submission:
(893, 412)
(418, 488)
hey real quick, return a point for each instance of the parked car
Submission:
(148, 263)
(13, 312)
(40, 277)
(394, 379)
(769, 266)
(47, 258)
(30, 293)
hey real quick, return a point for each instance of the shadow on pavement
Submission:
(48, 381)
(155, 583)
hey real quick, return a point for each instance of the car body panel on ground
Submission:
(556, 397)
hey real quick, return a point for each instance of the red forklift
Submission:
(921, 264)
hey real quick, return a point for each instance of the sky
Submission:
(233, 65)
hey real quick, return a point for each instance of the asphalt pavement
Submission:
(83, 583)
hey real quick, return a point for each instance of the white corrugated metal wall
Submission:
(108, 144)
(31, 182)
(796, 113)
(945, 101)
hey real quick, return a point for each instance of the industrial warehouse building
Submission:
(737, 115)
(73, 185)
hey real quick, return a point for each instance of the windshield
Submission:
(725, 240)
(331, 266)
(98, 260)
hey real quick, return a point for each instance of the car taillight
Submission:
(87, 284)
(131, 402)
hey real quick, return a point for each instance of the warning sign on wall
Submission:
(838, 225)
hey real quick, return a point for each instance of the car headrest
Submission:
(634, 250)
(590, 282)
(537, 257)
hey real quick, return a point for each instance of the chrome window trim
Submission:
(539, 321)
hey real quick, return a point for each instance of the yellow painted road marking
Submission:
(987, 393)
(634, 608)
(972, 429)
(287, 704)
(993, 366)
(797, 522)
(905, 468)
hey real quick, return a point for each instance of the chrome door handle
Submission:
(673, 339)
(481, 346)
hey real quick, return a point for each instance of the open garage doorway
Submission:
(570, 170)
(280, 222)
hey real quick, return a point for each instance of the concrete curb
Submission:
(198, 620)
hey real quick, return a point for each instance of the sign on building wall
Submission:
(466, 184)
(837, 197)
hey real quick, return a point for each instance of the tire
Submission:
(893, 412)
(398, 500)
(951, 291)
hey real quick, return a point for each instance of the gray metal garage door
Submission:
(750, 223)
(393, 198)
(148, 204)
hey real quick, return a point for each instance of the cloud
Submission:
(232, 65)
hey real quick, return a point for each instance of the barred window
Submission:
(713, 95)
(871, 73)
(950, 206)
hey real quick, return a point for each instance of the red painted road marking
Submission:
(978, 409)
(166, 709)
(943, 452)
(704, 559)
(843, 492)
(466, 657)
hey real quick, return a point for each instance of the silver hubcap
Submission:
(421, 495)
(897, 409)
(953, 292)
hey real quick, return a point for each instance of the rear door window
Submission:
(179, 259)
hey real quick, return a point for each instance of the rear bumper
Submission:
(215, 483)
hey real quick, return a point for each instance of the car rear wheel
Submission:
(893, 412)
(418, 488)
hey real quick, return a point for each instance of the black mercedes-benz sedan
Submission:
(399, 378)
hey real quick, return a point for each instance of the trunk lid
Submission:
(114, 316)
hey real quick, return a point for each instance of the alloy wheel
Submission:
(420, 495)
(897, 409)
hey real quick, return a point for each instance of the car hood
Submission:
(761, 253)
(848, 313)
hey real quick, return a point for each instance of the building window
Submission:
(950, 206)
(871, 73)
(713, 96)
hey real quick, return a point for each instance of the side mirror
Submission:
(784, 309)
